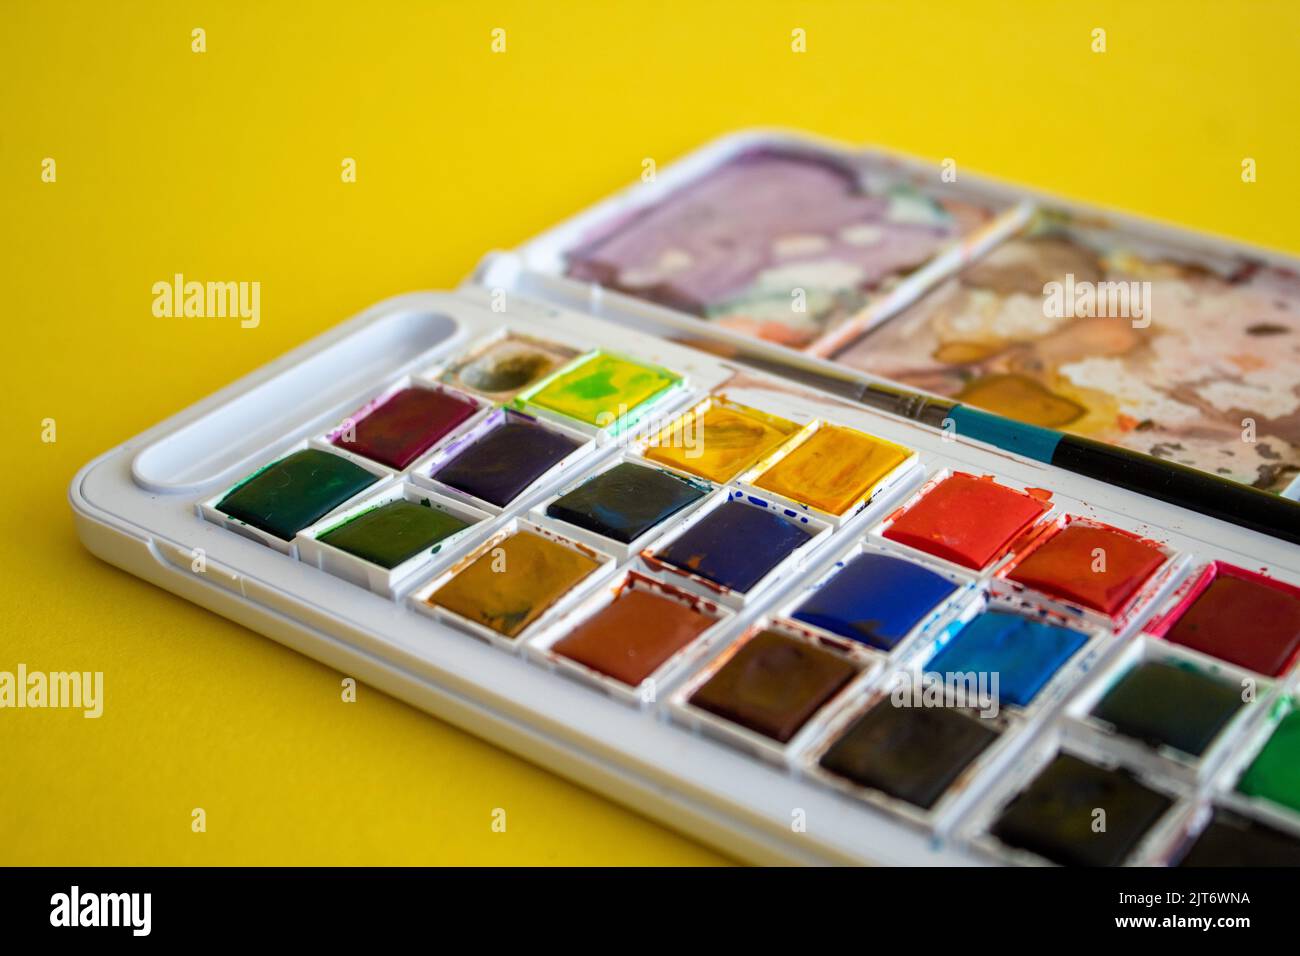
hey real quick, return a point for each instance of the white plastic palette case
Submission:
(139, 506)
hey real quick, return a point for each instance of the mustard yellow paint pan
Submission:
(718, 439)
(831, 470)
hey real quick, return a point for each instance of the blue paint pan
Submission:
(875, 599)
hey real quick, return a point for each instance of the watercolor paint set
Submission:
(797, 627)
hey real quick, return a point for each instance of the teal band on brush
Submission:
(1032, 441)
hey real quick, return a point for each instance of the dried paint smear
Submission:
(1220, 352)
(738, 245)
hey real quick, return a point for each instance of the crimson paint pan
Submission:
(1093, 566)
(402, 424)
(1239, 616)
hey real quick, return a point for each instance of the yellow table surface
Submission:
(226, 165)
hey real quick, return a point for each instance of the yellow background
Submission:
(226, 165)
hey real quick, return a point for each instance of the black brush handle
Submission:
(1177, 484)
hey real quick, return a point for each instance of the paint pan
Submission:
(832, 471)
(718, 440)
(504, 458)
(604, 393)
(1165, 708)
(1267, 771)
(914, 761)
(390, 538)
(1239, 616)
(732, 549)
(1231, 839)
(292, 492)
(969, 520)
(507, 588)
(1092, 567)
(402, 424)
(875, 599)
(770, 692)
(1055, 817)
(632, 637)
(623, 507)
(502, 366)
(1035, 655)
